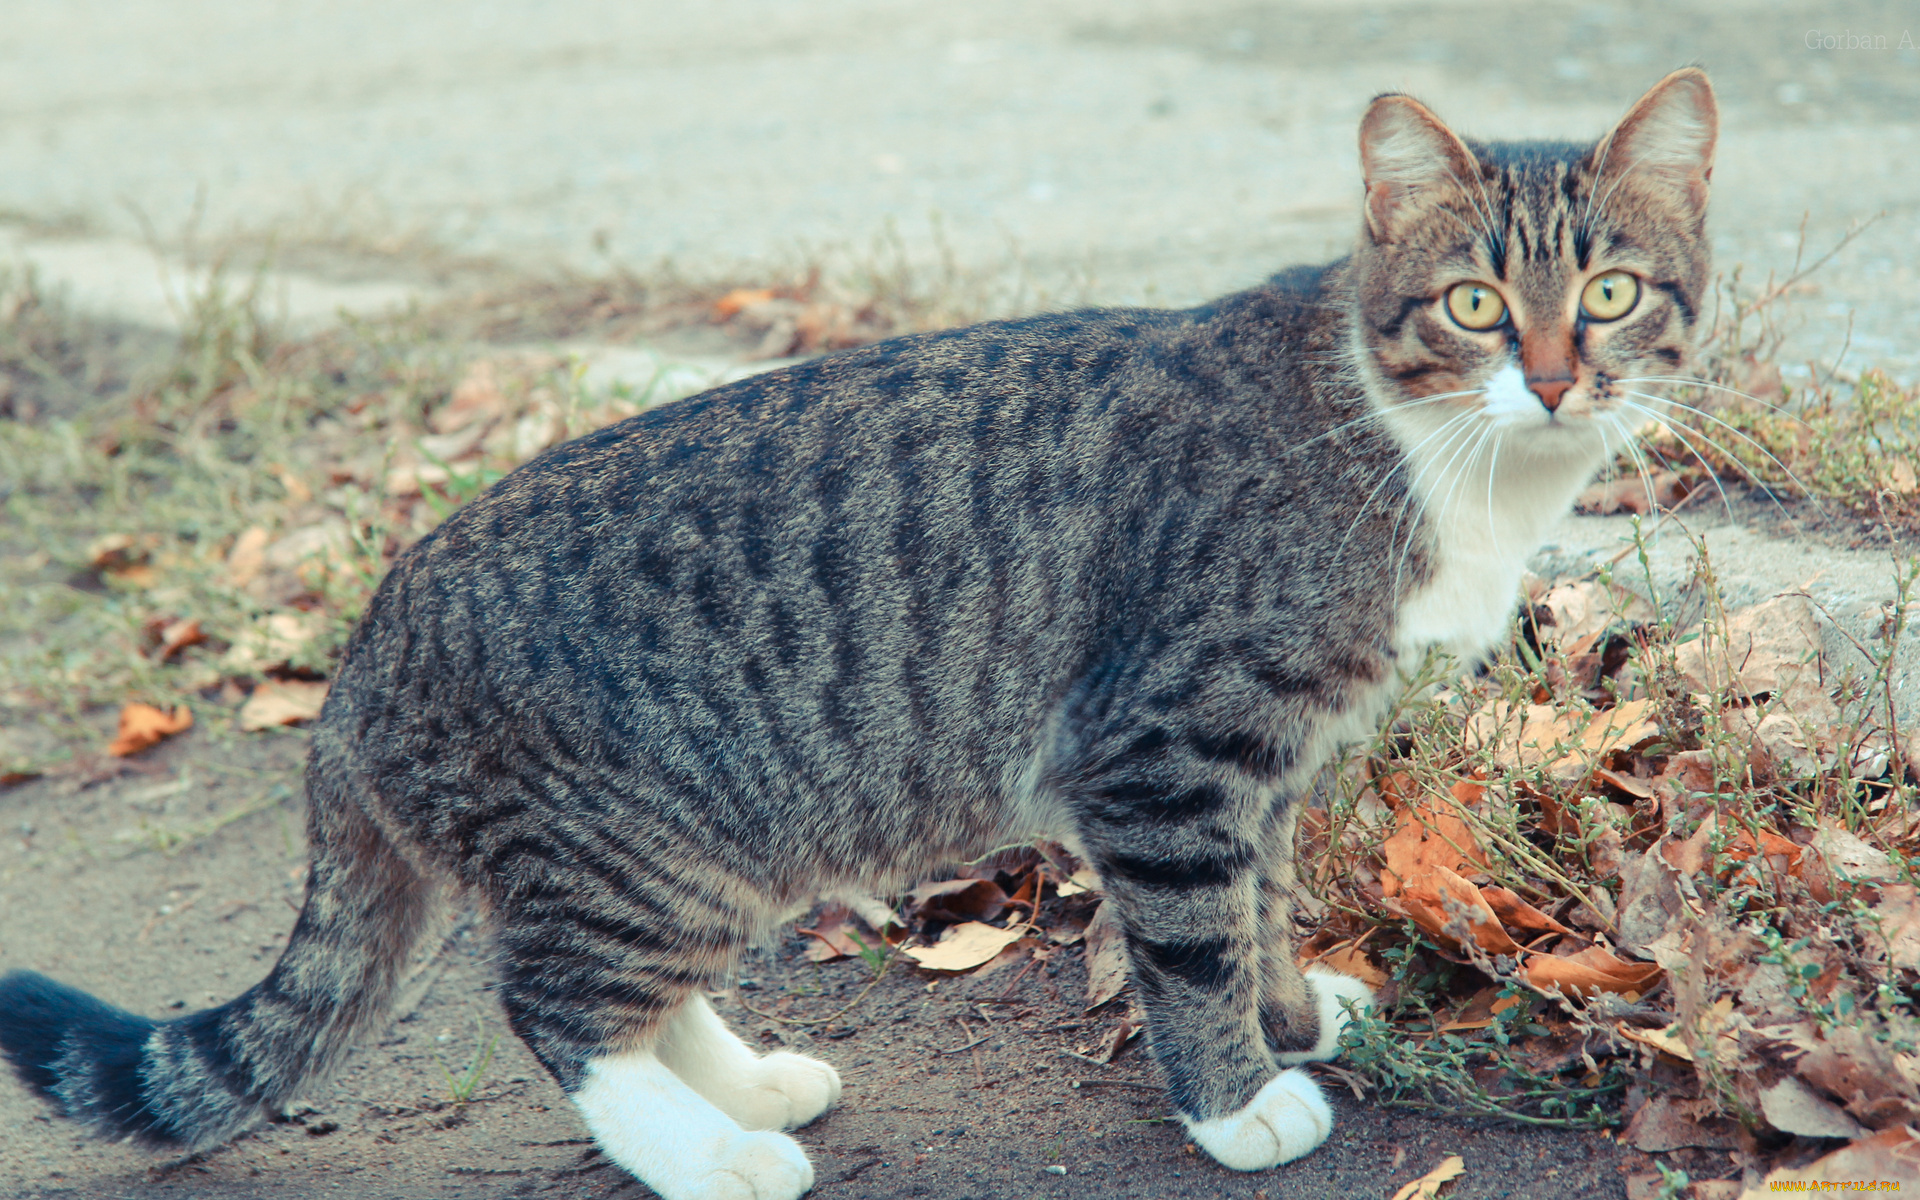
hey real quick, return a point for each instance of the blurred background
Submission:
(1164, 150)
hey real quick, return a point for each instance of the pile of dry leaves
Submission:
(1649, 875)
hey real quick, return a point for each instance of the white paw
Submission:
(745, 1166)
(1329, 989)
(677, 1143)
(1284, 1120)
(749, 1166)
(784, 1091)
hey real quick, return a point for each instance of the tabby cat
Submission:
(1126, 576)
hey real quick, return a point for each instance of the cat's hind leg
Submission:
(781, 1090)
(593, 978)
(646, 1119)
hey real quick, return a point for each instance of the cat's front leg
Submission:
(1189, 900)
(1304, 1012)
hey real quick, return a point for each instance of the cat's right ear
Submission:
(1406, 156)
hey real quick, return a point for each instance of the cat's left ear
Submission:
(1667, 138)
(1408, 157)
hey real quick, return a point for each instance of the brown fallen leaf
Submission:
(1792, 1107)
(1128, 1028)
(965, 946)
(833, 934)
(1664, 1040)
(1587, 609)
(1349, 959)
(1892, 1156)
(1431, 834)
(1106, 957)
(143, 725)
(1633, 494)
(176, 637)
(476, 398)
(731, 304)
(1770, 650)
(248, 556)
(1516, 913)
(1588, 973)
(1665, 1123)
(282, 702)
(1895, 931)
(1432, 899)
(1878, 1084)
(957, 900)
(270, 642)
(1084, 880)
(1428, 1186)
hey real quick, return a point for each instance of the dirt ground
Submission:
(118, 882)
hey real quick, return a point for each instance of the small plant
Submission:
(874, 956)
(463, 1085)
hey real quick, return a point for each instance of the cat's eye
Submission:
(1475, 305)
(1611, 296)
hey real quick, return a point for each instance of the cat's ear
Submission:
(1406, 156)
(1667, 138)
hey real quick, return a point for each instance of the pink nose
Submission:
(1549, 391)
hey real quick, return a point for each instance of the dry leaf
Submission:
(965, 946)
(1428, 1186)
(1897, 936)
(1772, 649)
(282, 702)
(1654, 899)
(143, 725)
(1518, 914)
(1664, 1123)
(1591, 971)
(270, 642)
(1086, 879)
(877, 913)
(1892, 1155)
(176, 637)
(476, 399)
(1663, 1040)
(1106, 957)
(1586, 609)
(1878, 1085)
(1792, 1107)
(1430, 835)
(958, 900)
(1626, 727)
(738, 299)
(1433, 899)
(1348, 959)
(329, 540)
(248, 556)
(1633, 494)
(1128, 1029)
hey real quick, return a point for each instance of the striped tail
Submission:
(199, 1080)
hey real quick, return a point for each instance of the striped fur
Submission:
(1123, 575)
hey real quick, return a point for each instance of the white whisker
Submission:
(1737, 432)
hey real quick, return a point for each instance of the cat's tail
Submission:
(198, 1080)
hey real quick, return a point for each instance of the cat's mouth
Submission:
(1509, 399)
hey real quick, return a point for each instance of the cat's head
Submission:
(1525, 284)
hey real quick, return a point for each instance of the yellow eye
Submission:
(1611, 296)
(1475, 305)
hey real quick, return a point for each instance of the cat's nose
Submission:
(1550, 391)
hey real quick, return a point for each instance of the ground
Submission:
(89, 900)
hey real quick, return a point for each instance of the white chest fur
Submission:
(1489, 484)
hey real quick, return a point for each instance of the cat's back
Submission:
(902, 554)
